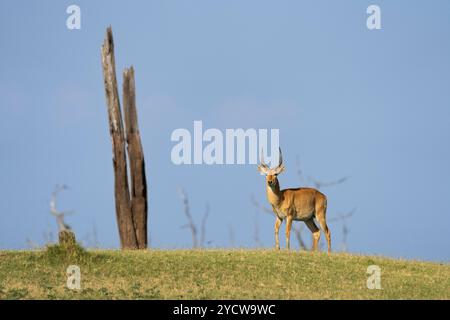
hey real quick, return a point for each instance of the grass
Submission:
(215, 274)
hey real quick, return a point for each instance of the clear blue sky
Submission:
(371, 105)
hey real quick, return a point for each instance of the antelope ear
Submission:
(279, 169)
(262, 170)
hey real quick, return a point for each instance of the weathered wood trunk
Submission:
(136, 158)
(122, 195)
(67, 238)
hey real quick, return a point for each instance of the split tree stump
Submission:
(67, 238)
(131, 209)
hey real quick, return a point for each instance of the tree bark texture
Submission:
(136, 159)
(128, 226)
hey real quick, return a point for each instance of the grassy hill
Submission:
(215, 274)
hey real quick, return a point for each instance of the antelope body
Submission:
(301, 204)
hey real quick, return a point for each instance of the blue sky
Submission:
(371, 105)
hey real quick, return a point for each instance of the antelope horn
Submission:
(280, 160)
(262, 160)
(280, 168)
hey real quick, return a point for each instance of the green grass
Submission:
(215, 274)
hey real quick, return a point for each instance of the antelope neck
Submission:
(274, 194)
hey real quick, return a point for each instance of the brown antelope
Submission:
(300, 204)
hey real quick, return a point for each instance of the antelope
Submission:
(299, 204)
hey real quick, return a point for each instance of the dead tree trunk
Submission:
(67, 238)
(124, 214)
(136, 158)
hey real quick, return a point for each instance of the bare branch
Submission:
(320, 184)
(316, 183)
(299, 170)
(59, 215)
(31, 244)
(48, 236)
(256, 237)
(91, 238)
(259, 206)
(191, 225)
(203, 227)
(343, 218)
(298, 235)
